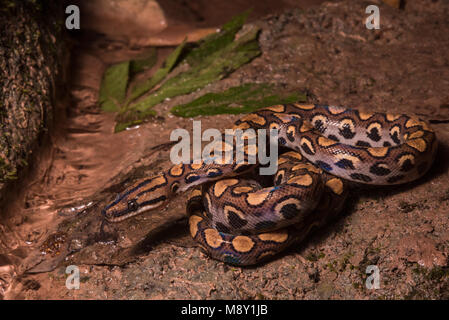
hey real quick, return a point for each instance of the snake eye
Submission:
(133, 205)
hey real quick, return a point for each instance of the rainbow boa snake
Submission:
(242, 221)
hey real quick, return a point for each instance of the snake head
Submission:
(142, 196)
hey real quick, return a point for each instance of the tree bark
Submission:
(31, 69)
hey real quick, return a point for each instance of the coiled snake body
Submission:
(242, 222)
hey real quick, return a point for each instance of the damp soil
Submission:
(324, 50)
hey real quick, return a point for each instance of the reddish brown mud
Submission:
(326, 51)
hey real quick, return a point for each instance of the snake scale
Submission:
(239, 220)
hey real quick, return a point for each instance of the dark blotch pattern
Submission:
(242, 168)
(333, 137)
(407, 165)
(319, 126)
(235, 221)
(195, 204)
(346, 132)
(323, 165)
(306, 149)
(345, 164)
(361, 177)
(265, 225)
(361, 143)
(206, 207)
(278, 179)
(395, 179)
(374, 134)
(214, 173)
(246, 232)
(289, 211)
(387, 144)
(395, 138)
(192, 178)
(222, 228)
(377, 170)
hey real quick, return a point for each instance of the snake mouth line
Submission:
(117, 216)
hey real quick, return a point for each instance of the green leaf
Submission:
(212, 68)
(143, 63)
(246, 98)
(216, 56)
(217, 41)
(113, 86)
(109, 105)
(159, 75)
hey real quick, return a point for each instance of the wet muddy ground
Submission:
(325, 51)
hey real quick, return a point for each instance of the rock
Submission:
(140, 18)
(325, 290)
(33, 67)
(173, 36)
(422, 250)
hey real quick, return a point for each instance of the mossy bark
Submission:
(31, 65)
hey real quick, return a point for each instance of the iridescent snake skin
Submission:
(242, 222)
